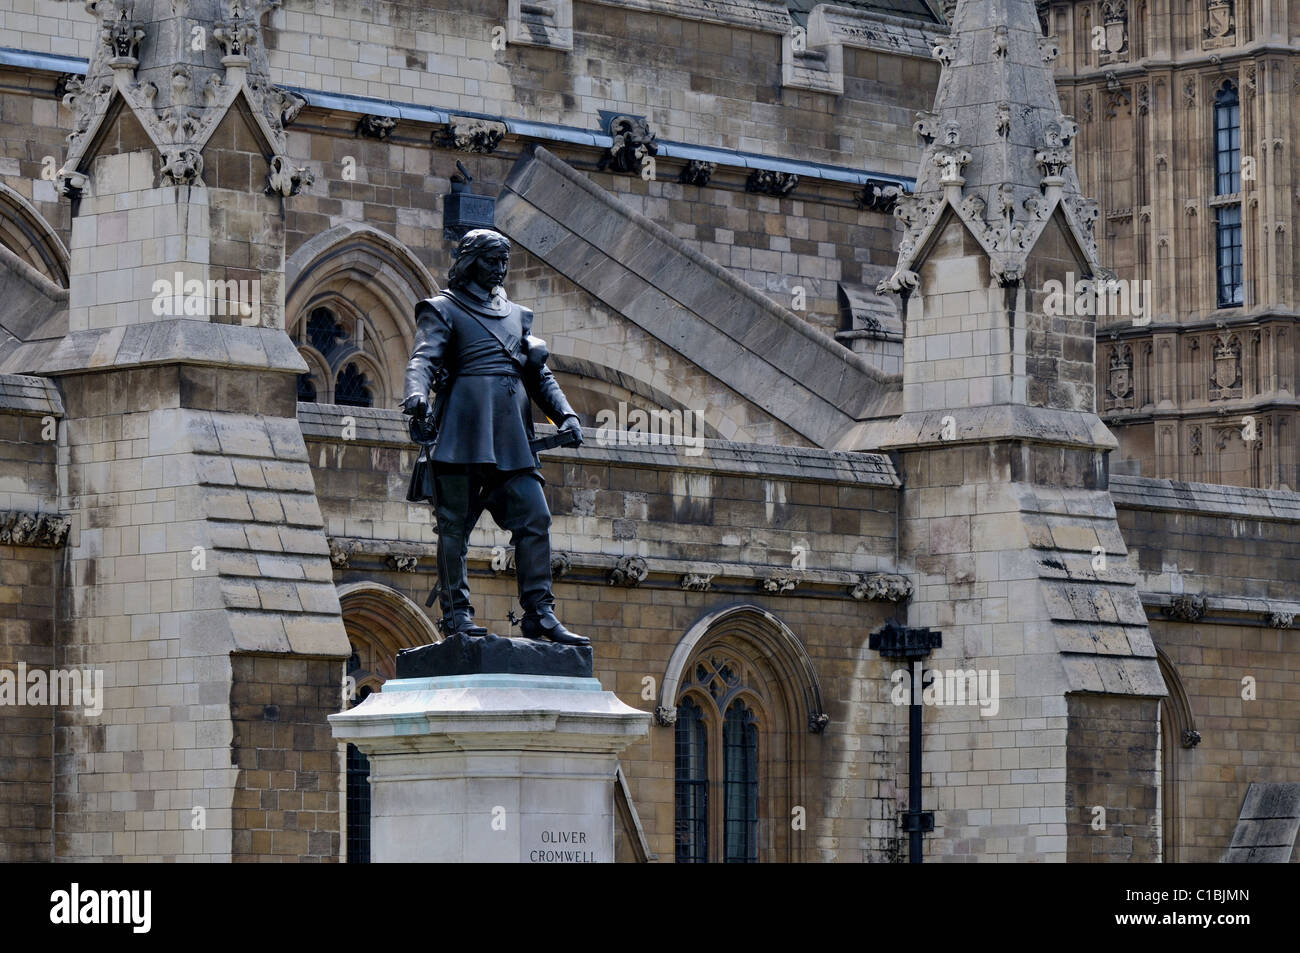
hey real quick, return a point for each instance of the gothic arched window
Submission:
(743, 698)
(352, 388)
(717, 738)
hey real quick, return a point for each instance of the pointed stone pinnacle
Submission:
(997, 144)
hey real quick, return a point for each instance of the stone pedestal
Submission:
(504, 768)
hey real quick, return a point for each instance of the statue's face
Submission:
(489, 269)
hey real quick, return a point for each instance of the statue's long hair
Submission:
(474, 244)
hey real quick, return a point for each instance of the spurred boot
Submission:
(544, 625)
(533, 570)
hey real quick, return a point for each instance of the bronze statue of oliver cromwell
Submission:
(473, 346)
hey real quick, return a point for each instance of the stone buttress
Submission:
(199, 577)
(1006, 520)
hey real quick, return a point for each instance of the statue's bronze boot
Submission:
(462, 623)
(546, 626)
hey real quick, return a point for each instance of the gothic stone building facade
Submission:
(1186, 116)
(206, 505)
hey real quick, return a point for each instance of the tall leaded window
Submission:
(717, 763)
(1227, 182)
(1228, 254)
(691, 785)
(740, 784)
(1227, 141)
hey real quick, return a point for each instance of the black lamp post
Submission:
(912, 645)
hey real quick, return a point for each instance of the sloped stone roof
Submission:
(35, 308)
(912, 9)
(733, 333)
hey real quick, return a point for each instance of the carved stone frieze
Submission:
(1186, 608)
(882, 587)
(402, 562)
(629, 571)
(39, 530)
(632, 148)
(284, 179)
(471, 134)
(340, 553)
(768, 182)
(697, 172)
(779, 584)
(880, 196)
(376, 127)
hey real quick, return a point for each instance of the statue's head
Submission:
(482, 256)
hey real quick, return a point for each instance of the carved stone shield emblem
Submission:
(1220, 13)
(1115, 36)
(1121, 376)
(1119, 382)
(1225, 369)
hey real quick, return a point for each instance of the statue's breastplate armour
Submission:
(476, 350)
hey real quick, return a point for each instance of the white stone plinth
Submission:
(492, 768)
